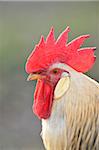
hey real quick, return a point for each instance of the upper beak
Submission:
(33, 77)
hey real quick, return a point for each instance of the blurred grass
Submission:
(21, 25)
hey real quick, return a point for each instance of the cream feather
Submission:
(74, 121)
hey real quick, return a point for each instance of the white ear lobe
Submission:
(62, 86)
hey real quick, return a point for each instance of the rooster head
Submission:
(54, 81)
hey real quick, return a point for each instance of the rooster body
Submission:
(66, 100)
(74, 121)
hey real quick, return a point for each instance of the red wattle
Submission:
(43, 98)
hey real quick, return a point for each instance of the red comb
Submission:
(51, 51)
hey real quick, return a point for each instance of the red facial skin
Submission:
(43, 96)
(53, 76)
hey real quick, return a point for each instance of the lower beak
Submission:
(33, 77)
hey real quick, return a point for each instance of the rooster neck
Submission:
(74, 117)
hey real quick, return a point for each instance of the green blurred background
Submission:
(21, 24)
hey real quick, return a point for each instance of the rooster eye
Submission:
(39, 72)
(55, 71)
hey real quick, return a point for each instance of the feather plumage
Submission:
(74, 122)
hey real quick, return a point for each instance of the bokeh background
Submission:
(21, 24)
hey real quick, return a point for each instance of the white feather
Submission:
(72, 115)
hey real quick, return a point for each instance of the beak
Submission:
(33, 77)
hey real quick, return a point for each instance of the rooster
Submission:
(65, 99)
